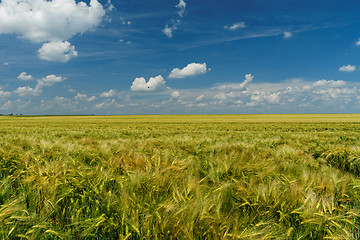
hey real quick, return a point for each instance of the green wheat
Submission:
(180, 177)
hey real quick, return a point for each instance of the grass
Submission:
(180, 177)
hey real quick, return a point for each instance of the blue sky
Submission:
(179, 56)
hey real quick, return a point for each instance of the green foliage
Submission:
(180, 177)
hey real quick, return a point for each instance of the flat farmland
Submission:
(293, 176)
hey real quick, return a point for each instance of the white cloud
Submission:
(329, 93)
(24, 77)
(49, 21)
(263, 97)
(330, 83)
(155, 83)
(287, 35)
(224, 96)
(347, 68)
(247, 81)
(330, 89)
(200, 98)
(4, 94)
(190, 70)
(175, 94)
(57, 51)
(112, 105)
(41, 20)
(47, 81)
(168, 30)
(235, 86)
(124, 22)
(80, 96)
(273, 98)
(358, 42)
(181, 6)
(6, 64)
(26, 91)
(99, 105)
(84, 97)
(123, 41)
(108, 94)
(233, 91)
(245, 96)
(235, 26)
(59, 99)
(6, 105)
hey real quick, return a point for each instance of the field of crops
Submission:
(180, 177)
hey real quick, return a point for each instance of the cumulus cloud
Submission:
(358, 42)
(231, 92)
(47, 81)
(181, 6)
(108, 94)
(24, 77)
(109, 105)
(26, 91)
(331, 90)
(287, 35)
(123, 41)
(200, 98)
(59, 99)
(347, 68)
(247, 96)
(237, 86)
(263, 97)
(334, 93)
(331, 83)
(84, 97)
(154, 84)
(301, 94)
(235, 26)
(247, 81)
(190, 70)
(4, 94)
(224, 96)
(57, 51)
(124, 22)
(99, 105)
(273, 98)
(169, 29)
(52, 22)
(288, 96)
(41, 20)
(175, 94)
(6, 105)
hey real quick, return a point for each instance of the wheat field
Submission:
(180, 177)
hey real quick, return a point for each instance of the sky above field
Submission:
(179, 56)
